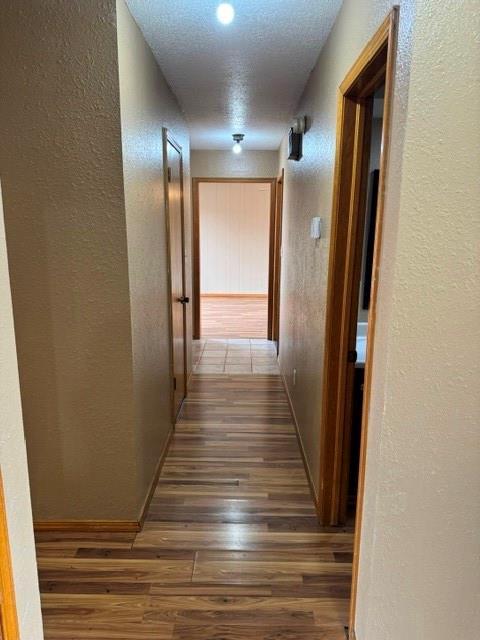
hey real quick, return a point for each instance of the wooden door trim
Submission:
(196, 245)
(390, 36)
(375, 64)
(8, 611)
(277, 256)
(271, 257)
(167, 139)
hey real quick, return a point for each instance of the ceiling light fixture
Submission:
(225, 13)
(237, 138)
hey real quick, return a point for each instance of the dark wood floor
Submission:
(231, 549)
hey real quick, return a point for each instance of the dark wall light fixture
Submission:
(295, 138)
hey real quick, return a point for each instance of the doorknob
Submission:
(183, 299)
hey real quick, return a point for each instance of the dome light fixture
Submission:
(237, 139)
(225, 13)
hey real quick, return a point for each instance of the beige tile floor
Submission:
(235, 356)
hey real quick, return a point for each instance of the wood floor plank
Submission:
(234, 317)
(259, 572)
(231, 548)
(113, 630)
(229, 632)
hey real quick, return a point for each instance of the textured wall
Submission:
(147, 104)
(61, 167)
(226, 164)
(234, 223)
(308, 193)
(419, 563)
(13, 466)
(419, 556)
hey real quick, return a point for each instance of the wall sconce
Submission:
(295, 138)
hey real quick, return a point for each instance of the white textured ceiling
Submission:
(246, 77)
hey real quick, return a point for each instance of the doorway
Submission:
(360, 320)
(364, 108)
(233, 257)
(174, 210)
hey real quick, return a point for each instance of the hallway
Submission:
(231, 548)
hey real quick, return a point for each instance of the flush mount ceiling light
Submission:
(237, 138)
(225, 13)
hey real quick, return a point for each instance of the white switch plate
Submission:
(316, 228)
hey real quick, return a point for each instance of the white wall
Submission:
(13, 465)
(225, 164)
(234, 237)
(419, 563)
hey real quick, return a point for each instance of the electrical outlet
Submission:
(294, 377)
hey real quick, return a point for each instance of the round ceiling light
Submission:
(225, 13)
(237, 139)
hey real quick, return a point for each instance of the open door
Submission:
(176, 271)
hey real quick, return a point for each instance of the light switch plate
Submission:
(316, 228)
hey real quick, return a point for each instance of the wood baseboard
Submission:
(300, 444)
(155, 478)
(234, 295)
(109, 526)
(86, 526)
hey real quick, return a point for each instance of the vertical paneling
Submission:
(234, 237)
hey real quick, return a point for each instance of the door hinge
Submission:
(174, 384)
(352, 356)
(169, 174)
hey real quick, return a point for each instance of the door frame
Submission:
(375, 65)
(277, 258)
(196, 246)
(8, 611)
(167, 139)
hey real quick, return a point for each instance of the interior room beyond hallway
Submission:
(233, 244)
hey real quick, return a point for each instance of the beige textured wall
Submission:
(226, 164)
(308, 193)
(419, 556)
(13, 466)
(83, 181)
(419, 563)
(147, 104)
(61, 167)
